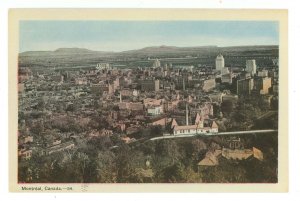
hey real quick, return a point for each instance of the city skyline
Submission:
(122, 35)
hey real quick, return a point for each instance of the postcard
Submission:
(148, 100)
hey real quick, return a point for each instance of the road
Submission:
(267, 114)
(218, 134)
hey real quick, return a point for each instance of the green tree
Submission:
(174, 173)
(168, 148)
(106, 167)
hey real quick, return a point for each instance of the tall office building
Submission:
(156, 63)
(245, 86)
(220, 63)
(156, 85)
(263, 85)
(251, 67)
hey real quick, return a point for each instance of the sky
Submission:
(128, 35)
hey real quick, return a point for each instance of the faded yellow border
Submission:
(15, 15)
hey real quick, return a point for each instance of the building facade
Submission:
(263, 85)
(220, 62)
(156, 63)
(208, 85)
(244, 86)
(251, 66)
(150, 85)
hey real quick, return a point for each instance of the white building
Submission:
(81, 81)
(263, 73)
(227, 78)
(155, 110)
(135, 93)
(156, 63)
(251, 67)
(220, 62)
(225, 70)
(26, 154)
(188, 68)
(195, 129)
(199, 127)
(102, 66)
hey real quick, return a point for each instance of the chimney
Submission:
(120, 97)
(186, 115)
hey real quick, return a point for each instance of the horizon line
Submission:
(120, 51)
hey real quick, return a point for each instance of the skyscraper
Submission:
(220, 63)
(245, 86)
(251, 66)
(156, 63)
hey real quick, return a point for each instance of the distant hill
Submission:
(63, 51)
(150, 51)
(70, 57)
(35, 53)
(73, 50)
(161, 50)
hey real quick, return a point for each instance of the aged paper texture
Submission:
(148, 100)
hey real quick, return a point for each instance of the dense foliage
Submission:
(163, 161)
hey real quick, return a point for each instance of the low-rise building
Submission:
(25, 139)
(148, 102)
(262, 73)
(171, 105)
(161, 122)
(136, 106)
(224, 71)
(149, 85)
(211, 159)
(103, 66)
(237, 154)
(209, 85)
(25, 154)
(126, 92)
(132, 129)
(212, 127)
(227, 78)
(155, 110)
(81, 81)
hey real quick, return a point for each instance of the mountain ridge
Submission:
(76, 49)
(145, 50)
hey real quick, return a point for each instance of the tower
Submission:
(251, 67)
(156, 63)
(220, 62)
(156, 85)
